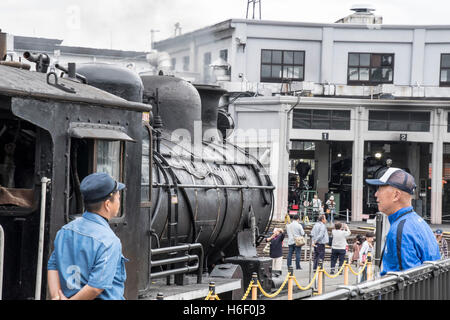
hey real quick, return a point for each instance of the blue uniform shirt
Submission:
(418, 243)
(88, 252)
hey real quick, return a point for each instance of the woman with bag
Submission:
(339, 244)
(276, 249)
(295, 241)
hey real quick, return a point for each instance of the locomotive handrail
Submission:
(212, 186)
(188, 258)
(2, 251)
(37, 292)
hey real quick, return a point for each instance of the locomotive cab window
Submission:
(89, 154)
(17, 163)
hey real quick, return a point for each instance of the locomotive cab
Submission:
(50, 139)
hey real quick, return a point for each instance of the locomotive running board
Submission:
(191, 291)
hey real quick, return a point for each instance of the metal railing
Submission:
(183, 259)
(430, 281)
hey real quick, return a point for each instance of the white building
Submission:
(343, 72)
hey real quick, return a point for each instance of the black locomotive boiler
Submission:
(195, 207)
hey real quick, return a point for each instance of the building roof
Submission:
(48, 45)
(228, 24)
(22, 83)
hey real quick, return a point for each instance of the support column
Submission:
(357, 166)
(279, 169)
(417, 58)
(193, 56)
(437, 165)
(322, 154)
(326, 68)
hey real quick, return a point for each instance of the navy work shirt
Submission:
(276, 246)
(87, 252)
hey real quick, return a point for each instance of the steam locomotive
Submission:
(195, 208)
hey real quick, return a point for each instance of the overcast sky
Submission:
(126, 25)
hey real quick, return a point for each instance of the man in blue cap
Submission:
(87, 262)
(410, 241)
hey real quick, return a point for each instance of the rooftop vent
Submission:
(363, 15)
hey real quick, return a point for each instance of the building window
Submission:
(370, 68)
(445, 69)
(223, 54)
(321, 119)
(448, 123)
(399, 121)
(186, 62)
(282, 65)
(173, 63)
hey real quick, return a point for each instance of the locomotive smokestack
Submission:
(210, 96)
(72, 70)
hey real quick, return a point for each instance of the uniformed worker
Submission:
(87, 262)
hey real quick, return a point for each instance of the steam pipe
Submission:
(42, 60)
(72, 72)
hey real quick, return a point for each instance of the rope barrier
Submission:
(273, 295)
(360, 272)
(248, 291)
(310, 284)
(336, 275)
(212, 296)
(290, 276)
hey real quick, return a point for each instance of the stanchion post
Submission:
(290, 282)
(255, 286)
(320, 281)
(346, 267)
(212, 289)
(369, 267)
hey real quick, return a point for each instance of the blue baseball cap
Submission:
(99, 186)
(438, 231)
(396, 178)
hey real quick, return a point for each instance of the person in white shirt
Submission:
(316, 206)
(339, 244)
(366, 248)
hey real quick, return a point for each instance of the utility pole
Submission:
(254, 3)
